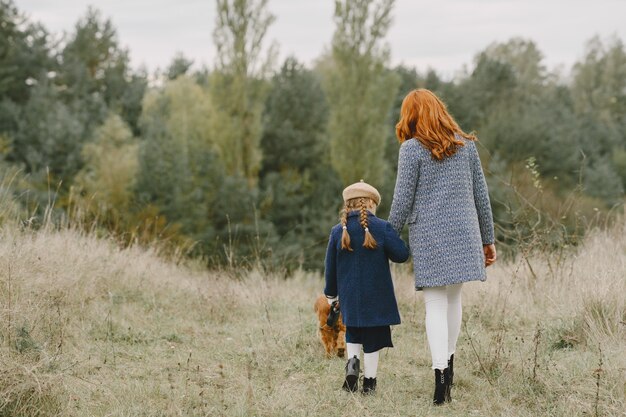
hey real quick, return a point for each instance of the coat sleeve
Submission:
(406, 182)
(481, 197)
(395, 248)
(330, 268)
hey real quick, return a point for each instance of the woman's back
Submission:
(446, 205)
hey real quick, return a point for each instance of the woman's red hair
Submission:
(424, 116)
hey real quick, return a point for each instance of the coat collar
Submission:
(358, 212)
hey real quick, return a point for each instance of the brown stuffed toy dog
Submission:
(333, 338)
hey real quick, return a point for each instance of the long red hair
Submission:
(424, 116)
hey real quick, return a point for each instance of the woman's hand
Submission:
(490, 254)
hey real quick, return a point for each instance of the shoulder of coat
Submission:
(470, 145)
(412, 146)
(465, 141)
(377, 220)
(385, 225)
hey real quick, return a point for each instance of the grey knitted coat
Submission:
(446, 204)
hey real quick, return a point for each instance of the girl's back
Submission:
(361, 276)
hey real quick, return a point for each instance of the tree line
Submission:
(246, 158)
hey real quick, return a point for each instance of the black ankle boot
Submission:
(451, 378)
(442, 383)
(369, 386)
(451, 368)
(351, 382)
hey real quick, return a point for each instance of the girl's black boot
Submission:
(369, 386)
(351, 383)
(442, 382)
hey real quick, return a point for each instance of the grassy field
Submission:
(88, 329)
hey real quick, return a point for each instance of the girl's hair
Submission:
(360, 204)
(425, 117)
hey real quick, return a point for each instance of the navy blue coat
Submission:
(362, 278)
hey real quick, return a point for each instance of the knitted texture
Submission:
(446, 204)
(362, 277)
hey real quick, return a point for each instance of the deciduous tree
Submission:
(360, 89)
(238, 84)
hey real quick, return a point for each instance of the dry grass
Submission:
(89, 329)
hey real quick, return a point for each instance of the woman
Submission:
(442, 194)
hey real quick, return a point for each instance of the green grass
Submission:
(88, 329)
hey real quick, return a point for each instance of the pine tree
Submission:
(300, 190)
(96, 69)
(180, 65)
(26, 54)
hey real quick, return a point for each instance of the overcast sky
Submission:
(441, 34)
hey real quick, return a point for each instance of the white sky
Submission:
(441, 34)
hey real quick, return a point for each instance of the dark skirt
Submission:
(372, 338)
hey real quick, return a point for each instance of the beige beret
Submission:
(361, 189)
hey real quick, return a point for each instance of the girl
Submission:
(441, 193)
(357, 272)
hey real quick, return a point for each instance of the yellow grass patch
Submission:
(87, 328)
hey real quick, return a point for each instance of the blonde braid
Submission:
(345, 237)
(369, 242)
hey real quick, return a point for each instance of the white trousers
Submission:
(443, 322)
(370, 360)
